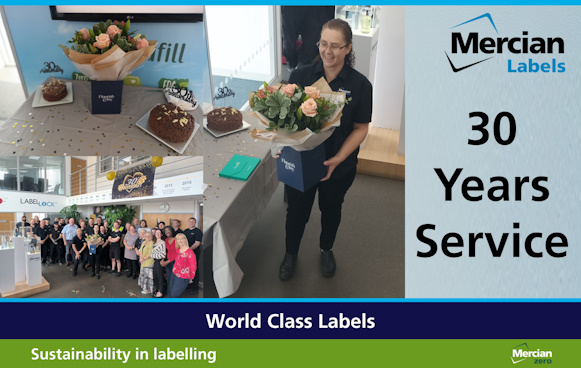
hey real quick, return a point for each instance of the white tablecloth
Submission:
(71, 129)
(231, 207)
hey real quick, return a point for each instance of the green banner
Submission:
(290, 353)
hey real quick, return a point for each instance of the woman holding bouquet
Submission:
(95, 257)
(334, 63)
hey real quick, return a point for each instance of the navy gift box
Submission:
(106, 97)
(301, 169)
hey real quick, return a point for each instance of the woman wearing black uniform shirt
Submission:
(336, 65)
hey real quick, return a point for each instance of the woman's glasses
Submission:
(333, 46)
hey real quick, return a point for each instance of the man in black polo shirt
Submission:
(81, 251)
(19, 227)
(57, 247)
(194, 236)
(90, 227)
(115, 249)
(42, 232)
(176, 226)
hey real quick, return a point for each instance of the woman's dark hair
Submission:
(170, 229)
(343, 27)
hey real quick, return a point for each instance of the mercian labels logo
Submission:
(478, 40)
(521, 352)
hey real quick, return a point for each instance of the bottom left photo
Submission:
(101, 227)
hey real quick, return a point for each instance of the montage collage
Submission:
(152, 152)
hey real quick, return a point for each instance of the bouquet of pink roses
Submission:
(108, 51)
(93, 241)
(297, 117)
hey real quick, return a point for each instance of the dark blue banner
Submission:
(293, 320)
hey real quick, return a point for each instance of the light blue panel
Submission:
(548, 143)
(37, 40)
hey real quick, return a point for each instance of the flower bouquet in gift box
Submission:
(107, 53)
(301, 119)
(93, 241)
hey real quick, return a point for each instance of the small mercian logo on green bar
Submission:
(522, 352)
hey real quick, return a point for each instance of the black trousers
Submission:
(331, 196)
(105, 260)
(83, 259)
(158, 276)
(308, 22)
(60, 251)
(95, 260)
(45, 250)
(132, 266)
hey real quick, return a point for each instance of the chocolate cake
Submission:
(224, 119)
(55, 90)
(171, 123)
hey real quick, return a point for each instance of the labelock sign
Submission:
(528, 54)
(36, 202)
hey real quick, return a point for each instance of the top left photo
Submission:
(102, 80)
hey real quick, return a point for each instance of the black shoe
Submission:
(287, 267)
(328, 264)
(74, 274)
(84, 269)
(129, 275)
(92, 274)
(134, 277)
(111, 272)
(98, 276)
(118, 275)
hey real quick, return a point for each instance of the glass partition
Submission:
(243, 51)
(8, 173)
(32, 174)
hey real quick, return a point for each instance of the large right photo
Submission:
(304, 146)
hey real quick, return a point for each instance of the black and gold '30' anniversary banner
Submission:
(134, 182)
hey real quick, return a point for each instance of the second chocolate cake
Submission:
(224, 119)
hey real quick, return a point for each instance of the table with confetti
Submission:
(232, 207)
(71, 129)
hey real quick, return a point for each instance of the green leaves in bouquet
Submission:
(278, 106)
(125, 30)
(122, 43)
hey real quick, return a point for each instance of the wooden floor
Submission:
(379, 154)
(23, 290)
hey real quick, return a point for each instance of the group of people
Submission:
(164, 258)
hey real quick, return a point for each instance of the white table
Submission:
(71, 129)
(232, 207)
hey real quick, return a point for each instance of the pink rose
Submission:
(141, 43)
(84, 34)
(112, 31)
(312, 92)
(289, 89)
(309, 107)
(102, 41)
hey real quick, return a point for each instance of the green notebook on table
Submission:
(239, 167)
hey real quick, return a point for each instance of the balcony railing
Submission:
(93, 178)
